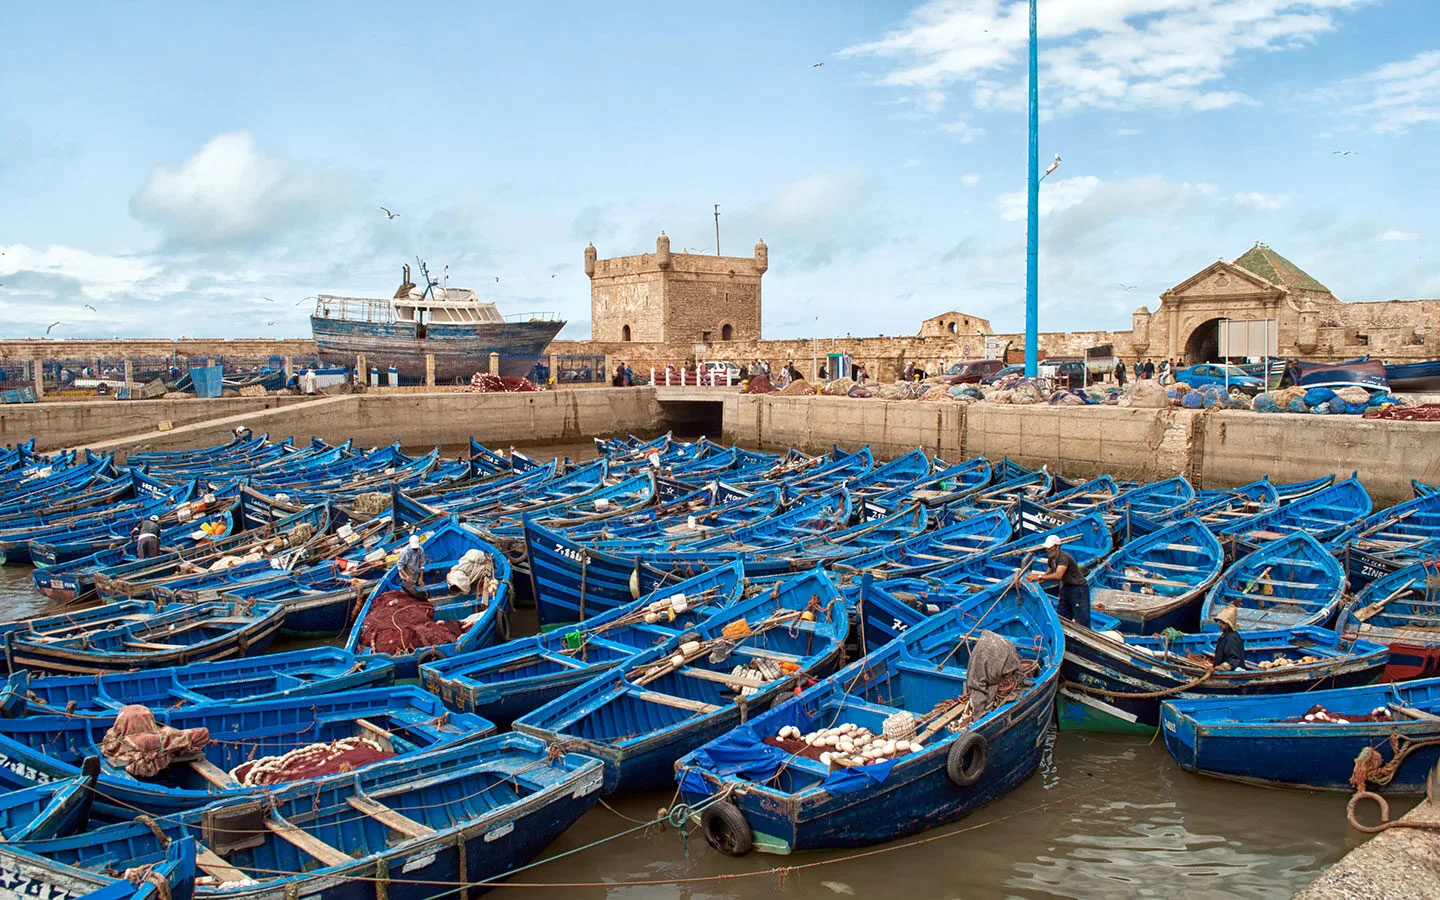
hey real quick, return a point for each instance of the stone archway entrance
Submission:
(1203, 344)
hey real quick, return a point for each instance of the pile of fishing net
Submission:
(798, 388)
(144, 748)
(1319, 715)
(1429, 412)
(1144, 394)
(759, 384)
(1070, 398)
(861, 392)
(1021, 391)
(398, 623)
(311, 761)
(936, 392)
(1352, 401)
(968, 393)
(371, 503)
(485, 383)
(840, 387)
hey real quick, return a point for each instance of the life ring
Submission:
(726, 829)
(966, 762)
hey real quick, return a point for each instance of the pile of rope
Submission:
(398, 623)
(311, 761)
(485, 383)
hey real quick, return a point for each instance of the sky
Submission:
(167, 167)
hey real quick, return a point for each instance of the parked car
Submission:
(1220, 375)
(1068, 373)
(1002, 373)
(970, 371)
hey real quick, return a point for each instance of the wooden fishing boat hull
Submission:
(455, 348)
(1095, 664)
(1244, 739)
(1402, 611)
(25, 876)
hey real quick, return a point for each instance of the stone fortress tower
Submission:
(683, 298)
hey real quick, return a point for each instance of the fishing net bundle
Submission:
(310, 761)
(992, 673)
(759, 384)
(843, 745)
(144, 748)
(398, 623)
(840, 387)
(797, 388)
(475, 572)
(763, 670)
(371, 503)
(1319, 715)
(485, 383)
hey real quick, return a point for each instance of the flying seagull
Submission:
(1343, 152)
(389, 214)
(818, 65)
(1129, 287)
(267, 299)
(269, 324)
(91, 308)
(554, 275)
(52, 325)
(497, 279)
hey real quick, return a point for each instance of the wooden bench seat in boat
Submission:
(389, 817)
(304, 840)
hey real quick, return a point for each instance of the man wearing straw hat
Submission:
(1230, 648)
(1074, 590)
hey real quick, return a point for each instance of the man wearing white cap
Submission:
(148, 542)
(412, 568)
(1074, 591)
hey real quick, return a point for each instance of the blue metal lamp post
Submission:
(1032, 230)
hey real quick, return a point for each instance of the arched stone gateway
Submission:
(1203, 344)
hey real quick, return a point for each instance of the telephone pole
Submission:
(717, 229)
(1032, 219)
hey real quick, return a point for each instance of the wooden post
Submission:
(362, 368)
(290, 366)
(129, 373)
(494, 364)
(429, 370)
(37, 368)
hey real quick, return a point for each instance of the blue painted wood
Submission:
(1323, 514)
(1266, 740)
(1402, 611)
(1289, 582)
(1157, 581)
(638, 721)
(806, 807)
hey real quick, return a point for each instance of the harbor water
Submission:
(1105, 816)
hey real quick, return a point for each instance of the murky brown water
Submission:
(1106, 816)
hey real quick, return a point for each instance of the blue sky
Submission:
(170, 165)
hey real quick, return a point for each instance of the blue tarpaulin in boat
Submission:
(742, 752)
(207, 380)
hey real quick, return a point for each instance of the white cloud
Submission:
(970, 180)
(1395, 97)
(1261, 201)
(227, 193)
(911, 163)
(1393, 235)
(963, 130)
(1110, 54)
(1055, 196)
(817, 219)
(1128, 132)
(94, 275)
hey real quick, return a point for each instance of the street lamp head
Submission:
(1053, 166)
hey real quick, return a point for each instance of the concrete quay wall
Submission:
(1214, 449)
(60, 424)
(419, 419)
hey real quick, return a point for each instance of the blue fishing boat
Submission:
(931, 550)
(1084, 498)
(1390, 539)
(1087, 539)
(172, 877)
(1157, 581)
(1006, 494)
(1323, 515)
(1217, 508)
(505, 682)
(466, 815)
(1297, 489)
(1416, 376)
(761, 787)
(1402, 611)
(480, 609)
(1312, 740)
(274, 676)
(1286, 583)
(945, 485)
(1114, 682)
(132, 635)
(395, 721)
(1362, 372)
(639, 719)
(1422, 489)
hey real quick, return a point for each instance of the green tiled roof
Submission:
(1276, 269)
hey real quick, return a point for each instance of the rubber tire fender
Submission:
(428, 655)
(502, 625)
(965, 764)
(726, 829)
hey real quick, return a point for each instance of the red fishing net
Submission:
(1319, 715)
(398, 623)
(313, 761)
(485, 383)
(140, 746)
(1430, 412)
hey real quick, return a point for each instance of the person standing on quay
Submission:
(1149, 368)
(1139, 369)
(1120, 372)
(1074, 591)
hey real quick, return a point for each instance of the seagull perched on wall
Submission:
(1343, 152)
(389, 214)
(52, 326)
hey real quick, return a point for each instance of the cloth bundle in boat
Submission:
(398, 623)
(994, 666)
(144, 748)
(475, 568)
(312, 761)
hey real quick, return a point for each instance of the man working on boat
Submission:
(148, 542)
(1074, 591)
(412, 568)
(1230, 648)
